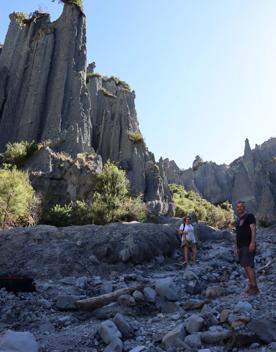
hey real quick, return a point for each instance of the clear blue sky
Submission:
(204, 71)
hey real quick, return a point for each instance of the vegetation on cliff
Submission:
(17, 198)
(111, 202)
(189, 202)
(136, 137)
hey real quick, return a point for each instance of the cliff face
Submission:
(116, 136)
(43, 94)
(251, 178)
(48, 93)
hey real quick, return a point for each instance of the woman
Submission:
(188, 239)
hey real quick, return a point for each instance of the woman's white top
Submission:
(191, 232)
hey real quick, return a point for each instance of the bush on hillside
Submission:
(74, 213)
(18, 153)
(17, 198)
(187, 202)
(136, 137)
(111, 203)
(111, 198)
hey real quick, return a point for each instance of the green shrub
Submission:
(111, 203)
(134, 209)
(91, 75)
(191, 202)
(119, 82)
(17, 197)
(136, 137)
(78, 3)
(58, 215)
(111, 200)
(74, 213)
(18, 153)
(20, 17)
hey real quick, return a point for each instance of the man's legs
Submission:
(250, 272)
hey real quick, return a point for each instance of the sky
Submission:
(204, 71)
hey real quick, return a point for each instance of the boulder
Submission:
(122, 324)
(265, 329)
(44, 251)
(115, 346)
(166, 288)
(150, 294)
(15, 341)
(194, 323)
(175, 338)
(109, 331)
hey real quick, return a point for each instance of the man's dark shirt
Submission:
(243, 230)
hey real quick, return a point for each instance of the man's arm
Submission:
(252, 245)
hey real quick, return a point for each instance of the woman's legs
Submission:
(194, 250)
(186, 254)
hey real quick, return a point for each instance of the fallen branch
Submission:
(100, 301)
(266, 267)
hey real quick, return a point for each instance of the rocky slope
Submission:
(47, 92)
(251, 178)
(179, 309)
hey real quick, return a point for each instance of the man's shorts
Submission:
(246, 258)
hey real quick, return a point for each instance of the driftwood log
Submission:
(264, 269)
(100, 301)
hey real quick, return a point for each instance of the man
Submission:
(246, 245)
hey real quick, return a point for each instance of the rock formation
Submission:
(43, 91)
(47, 92)
(251, 178)
(116, 136)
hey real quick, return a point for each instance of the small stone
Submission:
(214, 292)
(115, 346)
(224, 315)
(166, 288)
(213, 337)
(107, 287)
(194, 323)
(175, 338)
(138, 296)
(97, 280)
(238, 320)
(108, 331)
(123, 325)
(66, 302)
(138, 349)
(68, 280)
(193, 340)
(126, 300)
(243, 307)
(150, 294)
(81, 282)
(254, 346)
(18, 341)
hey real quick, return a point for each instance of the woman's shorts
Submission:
(246, 258)
(188, 243)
